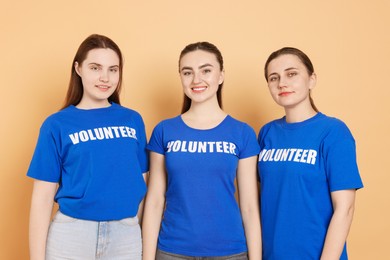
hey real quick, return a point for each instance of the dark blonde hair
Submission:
(301, 56)
(208, 47)
(75, 88)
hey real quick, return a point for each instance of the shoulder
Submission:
(124, 113)
(168, 125)
(238, 123)
(335, 125)
(239, 129)
(169, 121)
(126, 110)
(164, 128)
(271, 124)
(57, 118)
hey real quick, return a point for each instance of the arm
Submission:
(343, 205)
(40, 214)
(154, 206)
(249, 205)
(141, 205)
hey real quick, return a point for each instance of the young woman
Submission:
(190, 209)
(307, 168)
(93, 150)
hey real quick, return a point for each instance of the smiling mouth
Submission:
(198, 89)
(103, 86)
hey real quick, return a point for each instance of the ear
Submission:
(77, 68)
(313, 80)
(221, 77)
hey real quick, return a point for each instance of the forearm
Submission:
(150, 228)
(249, 205)
(40, 215)
(141, 205)
(251, 221)
(337, 234)
(154, 206)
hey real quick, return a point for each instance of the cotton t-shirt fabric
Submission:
(202, 217)
(300, 164)
(97, 156)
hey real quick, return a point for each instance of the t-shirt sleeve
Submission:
(340, 157)
(250, 144)
(46, 162)
(143, 157)
(260, 136)
(156, 140)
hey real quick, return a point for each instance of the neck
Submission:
(205, 108)
(93, 105)
(295, 115)
(204, 115)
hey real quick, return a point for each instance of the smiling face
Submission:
(99, 73)
(200, 75)
(289, 82)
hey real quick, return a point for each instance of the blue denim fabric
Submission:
(76, 239)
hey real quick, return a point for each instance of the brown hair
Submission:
(208, 47)
(75, 88)
(301, 56)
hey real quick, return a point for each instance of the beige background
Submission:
(348, 42)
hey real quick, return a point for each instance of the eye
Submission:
(273, 78)
(292, 74)
(94, 68)
(205, 71)
(114, 70)
(186, 73)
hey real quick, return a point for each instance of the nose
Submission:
(282, 83)
(103, 76)
(197, 78)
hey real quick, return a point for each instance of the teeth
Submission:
(199, 88)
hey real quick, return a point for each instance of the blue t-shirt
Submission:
(97, 156)
(202, 217)
(300, 164)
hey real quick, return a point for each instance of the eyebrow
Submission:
(200, 67)
(291, 68)
(274, 73)
(205, 65)
(99, 65)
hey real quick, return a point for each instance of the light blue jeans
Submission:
(76, 239)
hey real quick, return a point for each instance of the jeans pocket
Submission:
(129, 221)
(61, 218)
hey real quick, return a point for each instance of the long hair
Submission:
(208, 47)
(301, 56)
(75, 88)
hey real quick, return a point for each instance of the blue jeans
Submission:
(161, 255)
(76, 239)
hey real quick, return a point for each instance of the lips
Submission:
(283, 94)
(103, 87)
(198, 89)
